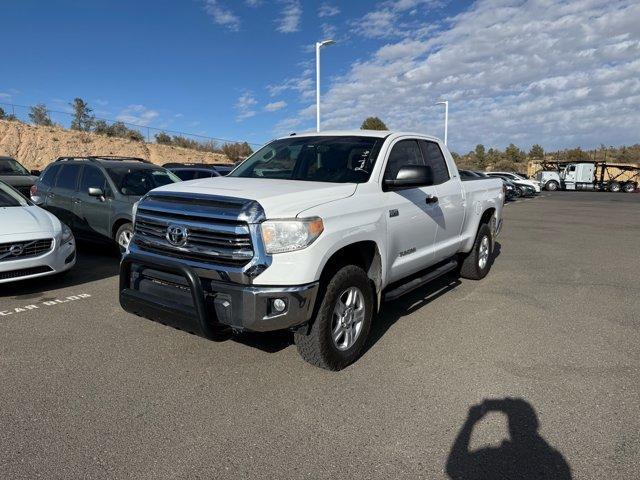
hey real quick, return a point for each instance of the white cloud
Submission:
(539, 71)
(290, 17)
(102, 103)
(328, 10)
(254, 3)
(245, 106)
(274, 106)
(137, 114)
(328, 31)
(222, 15)
(5, 96)
(387, 20)
(303, 84)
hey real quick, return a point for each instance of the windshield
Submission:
(138, 181)
(11, 198)
(314, 159)
(9, 166)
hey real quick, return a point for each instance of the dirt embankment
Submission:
(35, 147)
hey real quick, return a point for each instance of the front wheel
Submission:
(552, 186)
(477, 263)
(342, 323)
(124, 236)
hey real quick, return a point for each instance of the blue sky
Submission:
(545, 71)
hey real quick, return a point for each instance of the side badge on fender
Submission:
(394, 212)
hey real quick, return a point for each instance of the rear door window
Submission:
(435, 159)
(49, 175)
(68, 177)
(185, 174)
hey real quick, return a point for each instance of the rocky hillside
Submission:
(35, 147)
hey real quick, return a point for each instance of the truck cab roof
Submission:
(363, 133)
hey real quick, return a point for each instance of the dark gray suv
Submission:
(95, 195)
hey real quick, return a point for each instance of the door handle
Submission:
(50, 195)
(431, 199)
(77, 200)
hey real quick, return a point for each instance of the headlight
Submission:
(134, 210)
(67, 234)
(288, 235)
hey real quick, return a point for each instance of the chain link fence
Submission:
(145, 133)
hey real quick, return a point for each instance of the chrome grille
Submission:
(216, 227)
(24, 249)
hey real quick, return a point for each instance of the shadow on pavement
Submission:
(525, 456)
(94, 262)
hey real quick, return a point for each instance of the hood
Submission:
(19, 180)
(279, 198)
(26, 220)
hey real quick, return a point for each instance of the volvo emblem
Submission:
(16, 250)
(177, 235)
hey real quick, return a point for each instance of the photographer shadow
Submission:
(525, 456)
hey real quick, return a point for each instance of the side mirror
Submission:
(96, 192)
(35, 173)
(410, 176)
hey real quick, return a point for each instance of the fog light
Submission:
(279, 305)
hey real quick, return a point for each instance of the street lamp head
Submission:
(325, 43)
(444, 102)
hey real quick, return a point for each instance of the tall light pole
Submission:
(446, 118)
(319, 45)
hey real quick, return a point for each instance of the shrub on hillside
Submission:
(117, 129)
(237, 150)
(163, 139)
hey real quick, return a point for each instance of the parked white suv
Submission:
(514, 177)
(33, 242)
(310, 233)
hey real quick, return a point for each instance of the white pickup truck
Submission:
(311, 233)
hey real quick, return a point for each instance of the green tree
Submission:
(373, 123)
(513, 154)
(82, 118)
(536, 152)
(3, 115)
(480, 156)
(39, 115)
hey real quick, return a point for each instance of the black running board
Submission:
(421, 280)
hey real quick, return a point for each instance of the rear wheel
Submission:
(124, 236)
(614, 187)
(477, 263)
(629, 187)
(341, 326)
(552, 186)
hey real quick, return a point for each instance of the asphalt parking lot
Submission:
(90, 391)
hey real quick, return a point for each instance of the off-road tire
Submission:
(317, 347)
(470, 265)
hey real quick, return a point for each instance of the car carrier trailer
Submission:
(598, 176)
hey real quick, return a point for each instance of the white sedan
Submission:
(33, 242)
(514, 177)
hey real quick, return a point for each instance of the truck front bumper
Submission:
(170, 292)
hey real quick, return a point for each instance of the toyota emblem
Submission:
(177, 235)
(16, 250)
